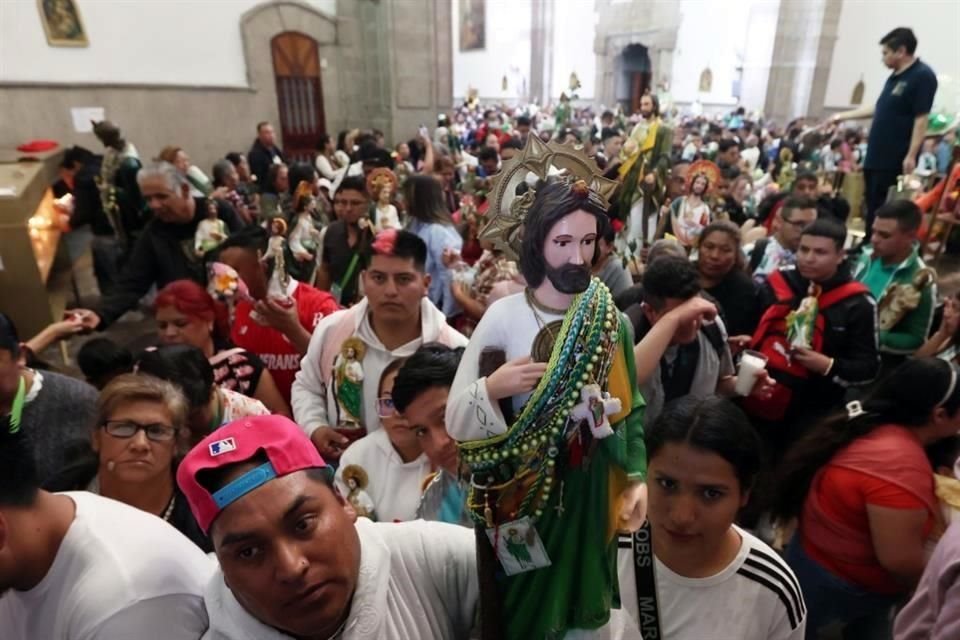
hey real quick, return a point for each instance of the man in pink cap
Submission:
(296, 562)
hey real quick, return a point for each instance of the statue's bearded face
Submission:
(569, 250)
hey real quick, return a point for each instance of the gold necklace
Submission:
(532, 300)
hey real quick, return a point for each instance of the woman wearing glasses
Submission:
(392, 459)
(138, 437)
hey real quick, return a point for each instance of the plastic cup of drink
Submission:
(751, 364)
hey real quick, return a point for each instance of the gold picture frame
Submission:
(62, 23)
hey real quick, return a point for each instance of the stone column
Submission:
(541, 51)
(802, 50)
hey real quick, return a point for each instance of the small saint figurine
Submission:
(210, 232)
(801, 322)
(348, 373)
(305, 238)
(382, 184)
(356, 479)
(689, 214)
(277, 285)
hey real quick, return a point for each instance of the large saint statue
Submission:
(546, 409)
(644, 169)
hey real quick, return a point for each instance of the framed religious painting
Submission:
(472, 25)
(62, 23)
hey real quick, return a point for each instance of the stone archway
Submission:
(262, 24)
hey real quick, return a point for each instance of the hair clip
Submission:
(854, 409)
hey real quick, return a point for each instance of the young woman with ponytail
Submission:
(863, 492)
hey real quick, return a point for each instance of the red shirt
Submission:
(280, 357)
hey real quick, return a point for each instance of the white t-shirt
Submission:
(394, 486)
(756, 597)
(119, 573)
(418, 581)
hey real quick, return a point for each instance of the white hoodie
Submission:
(418, 580)
(313, 401)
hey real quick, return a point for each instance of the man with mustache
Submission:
(539, 471)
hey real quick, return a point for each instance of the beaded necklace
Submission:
(529, 451)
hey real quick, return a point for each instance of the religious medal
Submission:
(544, 341)
(518, 546)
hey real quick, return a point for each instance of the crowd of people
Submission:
(674, 395)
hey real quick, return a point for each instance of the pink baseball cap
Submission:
(285, 445)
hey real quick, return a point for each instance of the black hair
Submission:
(424, 197)
(235, 157)
(76, 155)
(827, 228)
(272, 173)
(836, 143)
(793, 203)
(101, 360)
(262, 124)
(301, 172)
(670, 277)
(807, 176)
(19, 479)
(342, 140)
(905, 212)
(183, 365)
(725, 145)
(605, 230)
(712, 424)
(253, 238)
(9, 339)
(900, 37)
(407, 245)
(432, 365)
(944, 453)
(352, 183)
(488, 153)
(553, 201)
(609, 132)
(511, 143)
(732, 231)
(606, 115)
(523, 121)
(906, 397)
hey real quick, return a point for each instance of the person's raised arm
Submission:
(428, 155)
(860, 113)
(647, 352)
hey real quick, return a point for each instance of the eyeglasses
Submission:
(128, 429)
(385, 407)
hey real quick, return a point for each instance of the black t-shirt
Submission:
(677, 375)
(904, 97)
(737, 297)
(337, 256)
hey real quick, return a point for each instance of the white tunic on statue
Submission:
(509, 325)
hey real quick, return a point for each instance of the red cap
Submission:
(285, 445)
